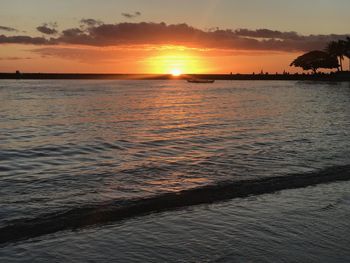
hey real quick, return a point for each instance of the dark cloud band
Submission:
(24, 40)
(96, 33)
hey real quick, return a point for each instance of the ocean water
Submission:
(72, 147)
(299, 225)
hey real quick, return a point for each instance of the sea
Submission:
(170, 171)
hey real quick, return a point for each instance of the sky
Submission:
(162, 36)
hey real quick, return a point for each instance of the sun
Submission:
(176, 63)
(176, 72)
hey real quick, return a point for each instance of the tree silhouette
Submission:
(337, 49)
(314, 60)
(347, 50)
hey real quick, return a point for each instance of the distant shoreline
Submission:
(339, 76)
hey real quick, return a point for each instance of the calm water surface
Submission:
(67, 144)
(299, 225)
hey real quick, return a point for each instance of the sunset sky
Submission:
(162, 36)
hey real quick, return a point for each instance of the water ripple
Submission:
(71, 143)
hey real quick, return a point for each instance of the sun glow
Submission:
(176, 62)
(176, 72)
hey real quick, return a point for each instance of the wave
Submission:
(92, 215)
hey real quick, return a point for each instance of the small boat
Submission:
(201, 80)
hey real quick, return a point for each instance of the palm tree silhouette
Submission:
(347, 50)
(337, 49)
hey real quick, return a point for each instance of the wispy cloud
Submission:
(267, 33)
(8, 29)
(48, 28)
(14, 58)
(90, 22)
(131, 15)
(93, 54)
